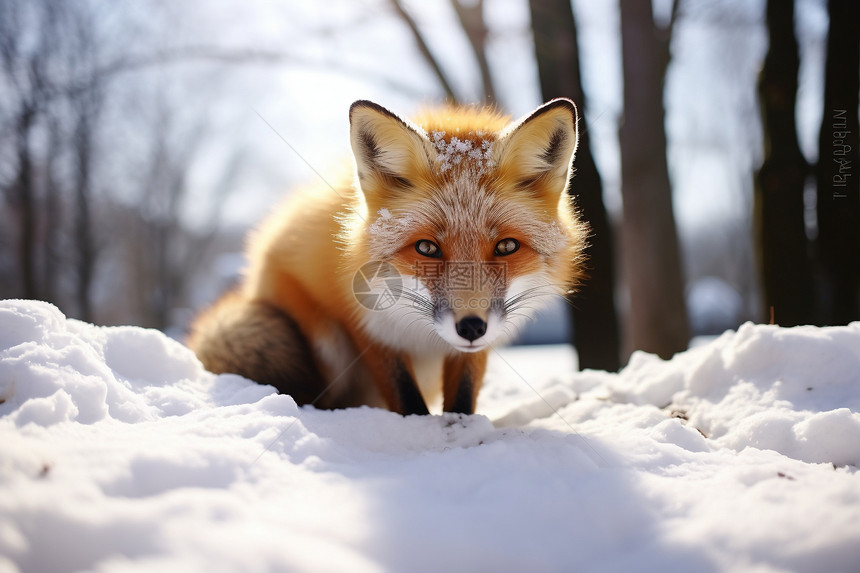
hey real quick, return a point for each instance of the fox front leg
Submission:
(395, 380)
(406, 397)
(463, 375)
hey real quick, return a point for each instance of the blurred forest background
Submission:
(718, 165)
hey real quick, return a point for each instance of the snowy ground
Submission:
(119, 453)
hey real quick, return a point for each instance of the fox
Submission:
(391, 288)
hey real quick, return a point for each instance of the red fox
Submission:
(391, 289)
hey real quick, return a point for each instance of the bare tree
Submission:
(58, 77)
(52, 211)
(783, 245)
(595, 321)
(86, 105)
(27, 70)
(84, 139)
(658, 315)
(44, 43)
(470, 15)
(164, 253)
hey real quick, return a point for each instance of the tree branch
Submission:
(664, 37)
(202, 53)
(425, 50)
(472, 20)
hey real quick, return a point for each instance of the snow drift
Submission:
(120, 453)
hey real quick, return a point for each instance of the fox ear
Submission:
(537, 151)
(389, 152)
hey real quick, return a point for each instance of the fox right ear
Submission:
(389, 152)
(538, 150)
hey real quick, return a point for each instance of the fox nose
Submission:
(471, 328)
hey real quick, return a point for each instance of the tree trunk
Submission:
(52, 217)
(838, 165)
(783, 245)
(595, 322)
(85, 249)
(25, 200)
(658, 313)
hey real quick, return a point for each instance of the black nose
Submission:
(471, 328)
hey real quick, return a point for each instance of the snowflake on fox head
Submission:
(474, 156)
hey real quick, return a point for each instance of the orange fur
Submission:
(487, 198)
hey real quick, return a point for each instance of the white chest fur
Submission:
(428, 375)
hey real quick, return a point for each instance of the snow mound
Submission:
(120, 453)
(794, 391)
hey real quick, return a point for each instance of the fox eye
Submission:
(428, 249)
(507, 246)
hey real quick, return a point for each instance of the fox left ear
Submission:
(389, 152)
(538, 150)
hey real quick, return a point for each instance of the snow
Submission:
(119, 453)
(479, 155)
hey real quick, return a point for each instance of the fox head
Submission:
(471, 213)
